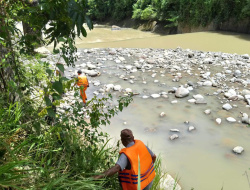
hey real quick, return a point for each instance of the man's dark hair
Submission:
(127, 135)
(79, 72)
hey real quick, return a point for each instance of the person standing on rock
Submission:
(127, 164)
(83, 83)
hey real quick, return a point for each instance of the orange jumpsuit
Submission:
(83, 83)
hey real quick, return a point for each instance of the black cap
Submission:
(79, 72)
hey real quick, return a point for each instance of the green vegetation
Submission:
(39, 147)
(171, 12)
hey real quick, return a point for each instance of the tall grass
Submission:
(160, 173)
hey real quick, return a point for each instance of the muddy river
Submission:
(201, 159)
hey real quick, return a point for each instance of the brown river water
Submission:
(203, 159)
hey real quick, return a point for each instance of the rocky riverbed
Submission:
(218, 81)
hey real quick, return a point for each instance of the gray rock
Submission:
(237, 73)
(218, 121)
(192, 100)
(207, 112)
(174, 102)
(155, 95)
(238, 149)
(200, 101)
(128, 90)
(245, 118)
(181, 92)
(227, 106)
(174, 130)
(198, 96)
(231, 119)
(91, 66)
(174, 136)
(229, 93)
(162, 114)
(117, 88)
(191, 128)
(207, 83)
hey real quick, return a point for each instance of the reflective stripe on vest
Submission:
(82, 81)
(129, 178)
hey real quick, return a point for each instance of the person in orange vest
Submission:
(127, 164)
(83, 83)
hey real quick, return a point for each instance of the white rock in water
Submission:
(95, 93)
(174, 136)
(124, 123)
(218, 120)
(238, 149)
(131, 82)
(162, 114)
(145, 97)
(117, 88)
(128, 90)
(174, 130)
(227, 106)
(174, 102)
(109, 87)
(231, 119)
(207, 83)
(207, 111)
(153, 75)
(198, 96)
(91, 66)
(228, 71)
(155, 81)
(230, 93)
(245, 92)
(101, 90)
(121, 58)
(128, 67)
(118, 61)
(97, 83)
(169, 183)
(181, 92)
(155, 95)
(245, 118)
(191, 128)
(192, 100)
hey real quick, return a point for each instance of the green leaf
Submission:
(120, 107)
(64, 79)
(83, 31)
(48, 101)
(89, 22)
(60, 67)
(61, 39)
(58, 87)
(51, 112)
(56, 51)
(49, 71)
(56, 96)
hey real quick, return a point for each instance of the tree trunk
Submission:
(33, 38)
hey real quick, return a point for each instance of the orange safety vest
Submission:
(129, 178)
(82, 81)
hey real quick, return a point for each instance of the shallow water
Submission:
(227, 42)
(201, 159)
